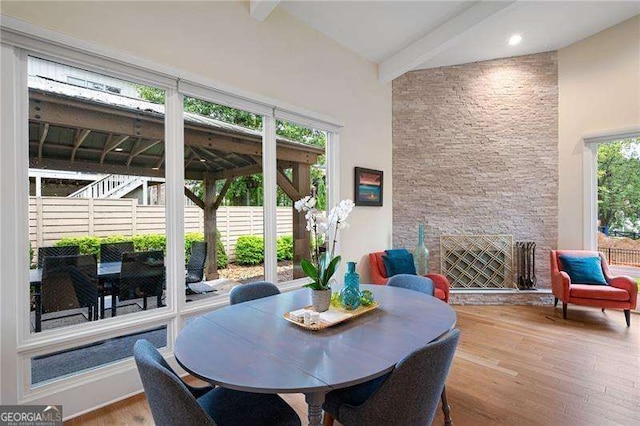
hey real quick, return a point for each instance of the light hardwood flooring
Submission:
(515, 365)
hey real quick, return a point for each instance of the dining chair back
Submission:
(410, 395)
(142, 275)
(197, 259)
(68, 282)
(171, 401)
(56, 251)
(246, 292)
(412, 282)
(174, 402)
(112, 252)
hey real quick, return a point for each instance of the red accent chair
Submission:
(621, 293)
(379, 276)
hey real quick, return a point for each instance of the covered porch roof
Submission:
(75, 128)
(79, 129)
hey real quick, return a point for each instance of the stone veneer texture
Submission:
(475, 151)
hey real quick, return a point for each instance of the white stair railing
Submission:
(110, 186)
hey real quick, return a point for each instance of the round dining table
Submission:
(251, 347)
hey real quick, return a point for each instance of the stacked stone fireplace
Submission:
(475, 152)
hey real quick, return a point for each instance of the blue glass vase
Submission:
(350, 293)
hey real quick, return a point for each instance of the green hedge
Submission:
(143, 242)
(285, 247)
(250, 249)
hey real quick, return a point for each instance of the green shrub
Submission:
(250, 250)
(142, 242)
(88, 245)
(285, 247)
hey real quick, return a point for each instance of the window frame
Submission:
(19, 40)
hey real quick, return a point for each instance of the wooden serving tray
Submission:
(360, 310)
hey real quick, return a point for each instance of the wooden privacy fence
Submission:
(54, 218)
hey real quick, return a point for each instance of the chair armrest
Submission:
(626, 283)
(375, 275)
(560, 284)
(441, 282)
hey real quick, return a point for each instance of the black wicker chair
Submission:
(142, 276)
(112, 252)
(56, 251)
(197, 259)
(68, 282)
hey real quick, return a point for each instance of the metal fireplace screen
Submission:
(477, 261)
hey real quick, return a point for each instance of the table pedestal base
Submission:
(314, 405)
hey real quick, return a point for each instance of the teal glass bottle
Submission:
(421, 253)
(350, 293)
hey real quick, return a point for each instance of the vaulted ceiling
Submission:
(401, 36)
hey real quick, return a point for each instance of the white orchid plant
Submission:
(324, 230)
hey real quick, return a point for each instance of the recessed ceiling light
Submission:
(515, 39)
(155, 168)
(118, 150)
(202, 160)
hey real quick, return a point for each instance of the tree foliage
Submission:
(247, 190)
(619, 183)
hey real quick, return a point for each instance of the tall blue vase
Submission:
(350, 293)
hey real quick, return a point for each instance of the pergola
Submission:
(73, 128)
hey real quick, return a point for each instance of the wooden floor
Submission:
(516, 365)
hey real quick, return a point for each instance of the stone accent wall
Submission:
(475, 151)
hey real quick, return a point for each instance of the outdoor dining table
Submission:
(106, 271)
(251, 347)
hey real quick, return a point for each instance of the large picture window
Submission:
(132, 188)
(96, 197)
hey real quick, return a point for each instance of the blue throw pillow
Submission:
(584, 270)
(398, 253)
(398, 262)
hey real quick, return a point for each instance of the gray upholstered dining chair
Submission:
(252, 291)
(407, 396)
(174, 402)
(412, 282)
(423, 285)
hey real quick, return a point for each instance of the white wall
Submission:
(599, 90)
(280, 58)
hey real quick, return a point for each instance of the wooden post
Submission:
(210, 210)
(301, 239)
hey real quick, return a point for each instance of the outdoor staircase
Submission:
(110, 186)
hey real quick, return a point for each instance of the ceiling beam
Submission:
(261, 9)
(81, 135)
(239, 172)
(193, 197)
(112, 143)
(139, 147)
(43, 137)
(438, 40)
(223, 192)
(287, 186)
(92, 167)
